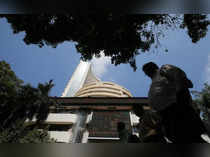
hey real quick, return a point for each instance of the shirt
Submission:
(162, 92)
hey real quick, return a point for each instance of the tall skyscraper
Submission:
(102, 124)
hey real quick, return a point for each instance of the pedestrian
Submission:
(170, 97)
(123, 132)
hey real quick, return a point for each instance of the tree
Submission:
(19, 102)
(24, 134)
(120, 37)
(202, 100)
(202, 103)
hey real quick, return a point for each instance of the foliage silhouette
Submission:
(121, 37)
(19, 102)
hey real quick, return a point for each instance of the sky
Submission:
(33, 64)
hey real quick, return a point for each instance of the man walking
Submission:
(170, 97)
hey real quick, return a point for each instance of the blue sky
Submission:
(33, 64)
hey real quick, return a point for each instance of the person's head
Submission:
(150, 68)
(120, 126)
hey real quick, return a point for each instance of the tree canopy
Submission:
(19, 102)
(202, 100)
(121, 37)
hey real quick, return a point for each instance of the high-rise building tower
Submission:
(102, 124)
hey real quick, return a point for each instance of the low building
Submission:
(90, 109)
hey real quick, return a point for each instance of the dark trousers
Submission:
(180, 121)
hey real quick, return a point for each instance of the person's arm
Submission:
(168, 72)
(188, 83)
(175, 74)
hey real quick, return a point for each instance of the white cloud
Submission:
(208, 70)
(100, 65)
